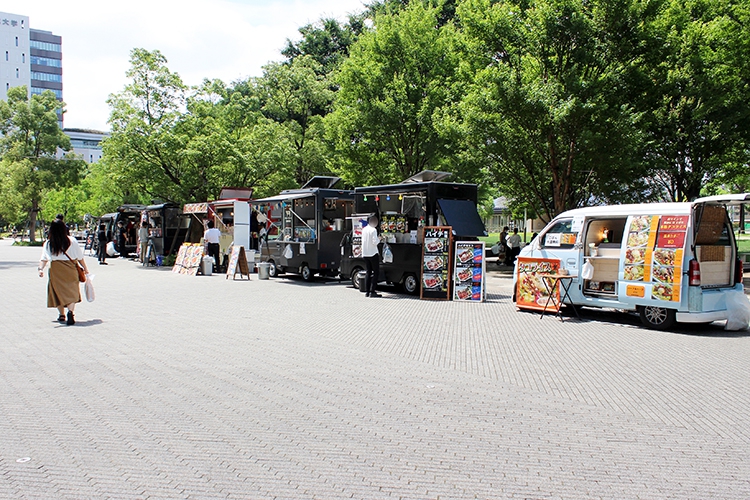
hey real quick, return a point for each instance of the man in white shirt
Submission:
(514, 242)
(211, 237)
(371, 254)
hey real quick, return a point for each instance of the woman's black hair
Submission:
(58, 238)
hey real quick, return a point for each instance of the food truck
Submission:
(130, 216)
(231, 214)
(404, 210)
(667, 261)
(304, 228)
(167, 227)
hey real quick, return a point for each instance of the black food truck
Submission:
(304, 228)
(130, 216)
(404, 210)
(167, 228)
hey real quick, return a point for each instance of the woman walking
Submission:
(62, 253)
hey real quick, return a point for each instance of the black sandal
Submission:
(61, 318)
(71, 319)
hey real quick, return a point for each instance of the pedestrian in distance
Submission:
(62, 253)
(143, 241)
(102, 240)
(505, 248)
(514, 242)
(212, 237)
(61, 218)
(121, 236)
(371, 254)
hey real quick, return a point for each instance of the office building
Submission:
(29, 57)
(86, 143)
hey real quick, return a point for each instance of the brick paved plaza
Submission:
(176, 387)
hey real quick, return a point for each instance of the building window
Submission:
(46, 77)
(16, 41)
(6, 55)
(52, 47)
(39, 91)
(18, 75)
(7, 87)
(46, 61)
(23, 58)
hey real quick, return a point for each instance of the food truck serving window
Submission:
(560, 235)
(463, 217)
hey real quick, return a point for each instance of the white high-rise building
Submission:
(29, 57)
(15, 56)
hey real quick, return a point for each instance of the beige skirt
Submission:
(63, 287)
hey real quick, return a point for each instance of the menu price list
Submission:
(435, 257)
(468, 271)
(654, 254)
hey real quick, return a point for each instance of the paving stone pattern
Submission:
(176, 387)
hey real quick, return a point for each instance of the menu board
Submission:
(188, 259)
(436, 255)
(531, 291)
(653, 256)
(393, 223)
(237, 256)
(357, 240)
(468, 271)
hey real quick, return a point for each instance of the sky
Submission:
(224, 39)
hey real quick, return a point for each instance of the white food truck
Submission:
(667, 261)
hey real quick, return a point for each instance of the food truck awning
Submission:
(282, 197)
(463, 217)
(195, 208)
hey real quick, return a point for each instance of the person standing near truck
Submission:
(102, 240)
(212, 237)
(121, 236)
(371, 254)
(143, 241)
(514, 242)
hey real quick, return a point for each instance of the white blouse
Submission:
(74, 250)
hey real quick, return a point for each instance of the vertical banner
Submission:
(667, 258)
(436, 258)
(469, 271)
(653, 256)
(357, 238)
(531, 291)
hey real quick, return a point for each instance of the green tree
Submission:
(394, 88)
(548, 113)
(297, 96)
(698, 117)
(327, 42)
(143, 149)
(173, 143)
(29, 143)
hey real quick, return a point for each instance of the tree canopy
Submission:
(29, 163)
(554, 104)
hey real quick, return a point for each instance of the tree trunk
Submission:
(32, 220)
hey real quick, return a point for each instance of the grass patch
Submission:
(743, 243)
(28, 243)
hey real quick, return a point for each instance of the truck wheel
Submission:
(410, 284)
(273, 271)
(657, 318)
(354, 277)
(306, 272)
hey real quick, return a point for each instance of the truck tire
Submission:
(306, 272)
(273, 270)
(353, 277)
(657, 318)
(410, 284)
